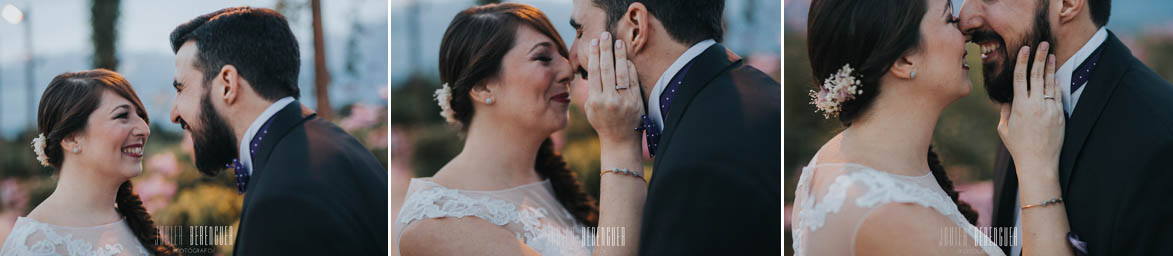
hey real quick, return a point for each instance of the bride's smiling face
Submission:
(941, 54)
(113, 139)
(532, 88)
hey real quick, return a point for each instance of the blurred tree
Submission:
(104, 20)
(1158, 49)
(321, 74)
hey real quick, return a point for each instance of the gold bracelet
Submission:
(1055, 200)
(623, 171)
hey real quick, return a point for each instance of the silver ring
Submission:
(1048, 97)
(620, 87)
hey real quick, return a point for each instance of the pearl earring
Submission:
(913, 74)
(489, 101)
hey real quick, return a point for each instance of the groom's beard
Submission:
(1000, 85)
(215, 143)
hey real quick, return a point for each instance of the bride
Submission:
(92, 131)
(506, 78)
(891, 68)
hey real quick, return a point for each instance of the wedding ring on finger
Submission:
(1048, 97)
(620, 87)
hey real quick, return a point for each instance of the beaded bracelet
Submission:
(1055, 200)
(623, 171)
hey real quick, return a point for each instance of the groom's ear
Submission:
(233, 85)
(903, 67)
(634, 25)
(1069, 10)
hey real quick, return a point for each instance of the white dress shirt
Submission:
(1069, 99)
(245, 157)
(666, 77)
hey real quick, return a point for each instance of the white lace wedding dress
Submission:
(832, 200)
(530, 212)
(30, 237)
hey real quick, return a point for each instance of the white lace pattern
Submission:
(824, 224)
(529, 211)
(30, 237)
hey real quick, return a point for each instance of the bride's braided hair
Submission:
(870, 35)
(65, 109)
(472, 50)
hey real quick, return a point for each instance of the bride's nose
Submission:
(141, 129)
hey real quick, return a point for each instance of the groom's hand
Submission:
(613, 107)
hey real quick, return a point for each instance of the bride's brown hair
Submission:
(472, 50)
(870, 35)
(65, 110)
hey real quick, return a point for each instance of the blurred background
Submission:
(344, 79)
(421, 142)
(965, 137)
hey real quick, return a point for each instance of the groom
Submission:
(1116, 164)
(310, 188)
(713, 127)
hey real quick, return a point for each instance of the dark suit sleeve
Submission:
(322, 194)
(1144, 225)
(706, 210)
(716, 184)
(279, 224)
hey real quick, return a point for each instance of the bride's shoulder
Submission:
(460, 236)
(916, 225)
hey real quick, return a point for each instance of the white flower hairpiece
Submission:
(837, 89)
(444, 99)
(39, 148)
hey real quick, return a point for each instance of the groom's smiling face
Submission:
(1001, 28)
(588, 21)
(213, 139)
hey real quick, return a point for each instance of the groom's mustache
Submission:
(985, 35)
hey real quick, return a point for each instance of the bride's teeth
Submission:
(135, 150)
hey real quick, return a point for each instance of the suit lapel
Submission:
(705, 67)
(1091, 103)
(284, 121)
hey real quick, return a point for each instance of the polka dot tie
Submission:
(1084, 71)
(651, 132)
(242, 173)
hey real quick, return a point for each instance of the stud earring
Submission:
(912, 74)
(75, 150)
(489, 101)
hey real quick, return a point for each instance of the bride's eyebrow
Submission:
(126, 106)
(539, 45)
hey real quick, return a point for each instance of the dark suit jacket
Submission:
(716, 180)
(314, 190)
(1116, 165)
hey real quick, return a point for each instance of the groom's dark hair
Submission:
(688, 22)
(1100, 10)
(257, 41)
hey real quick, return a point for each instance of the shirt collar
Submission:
(1064, 71)
(666, 77)
(244, 156)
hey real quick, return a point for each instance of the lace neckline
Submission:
(433, 182)
(119, 222)
(869, 168)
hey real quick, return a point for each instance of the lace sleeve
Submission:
(833, 200)
(29, 237)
